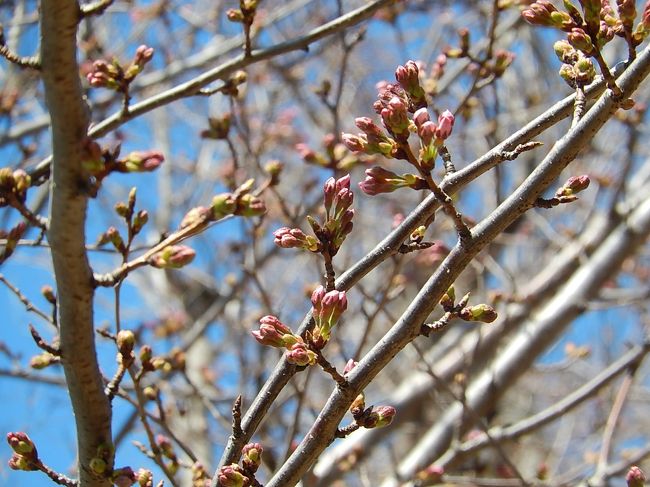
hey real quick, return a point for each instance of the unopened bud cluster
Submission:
(403, 110)
(14, 183)
(331, 233)
(595, 25)
(243, 475)
(25, 456)
(576, 69)
(480, 312)
(327, 308)
(116, 76)
(273, 333)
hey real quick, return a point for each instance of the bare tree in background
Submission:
(334, 243)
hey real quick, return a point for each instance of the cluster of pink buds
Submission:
(116, 77)
(403, 111)
(25, 456)
(327, 308)
(588, 31)
(274, 333)
(233, 476)
(330, 235)
(635, 477)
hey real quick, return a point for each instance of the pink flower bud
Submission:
(635, 477)
(124, 477)
(351, 364)
(172, 257)
(445, 125)
(380, 416)
(232, 476)
(356, 143)
(22, 444)
(300, 355)
(252, 456)
(421, 116)
(249, 205)
(142, 161)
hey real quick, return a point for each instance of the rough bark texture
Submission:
(69, 122)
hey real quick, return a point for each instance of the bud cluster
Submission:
(588, 31)
(116, 76)
(327, 308)
(403, 111)
(274, 333)
(234, 475)
(25, 456)
(480, 312)
(330, 235)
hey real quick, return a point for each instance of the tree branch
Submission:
(69, 121)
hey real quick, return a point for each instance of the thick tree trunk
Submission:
(66, 235)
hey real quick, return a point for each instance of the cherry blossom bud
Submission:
(22, 444)
(356, 143)
(431, 475)
(299, 354)
(274, 333)
(125, 342)
(223, 204)
(573, 185)
(350, 364)
(145, 478)
(445, 125)
(379, 180)
(172, 257)
(579, 39)
(48, 294)
(124, 477)
(358, 405)
(252, 456)
(140, 220)
(635, 477)
(218, 127)
(288, 238)
(367, 126)
(142, 161)
(502, 59)
(565, 52)
(380, 416)
(235, 15)
(421, 116)
(232, 476)
(166, 447)
(249, 205)
(408, 78)
(481, 312)
(19, 462)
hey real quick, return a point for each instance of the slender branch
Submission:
(29, 306)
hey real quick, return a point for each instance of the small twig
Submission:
(607, 74)
(96, 8)
(112, 387)
(330, 275)
(32, 62)
(57, 478)
(428, 328)
(446, 160)
(237, 431)
(29, 306)
(330, 369)
(346, 430)
(579, 105)
(612, 419)
(42, 344)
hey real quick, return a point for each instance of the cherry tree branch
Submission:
(66, 234)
